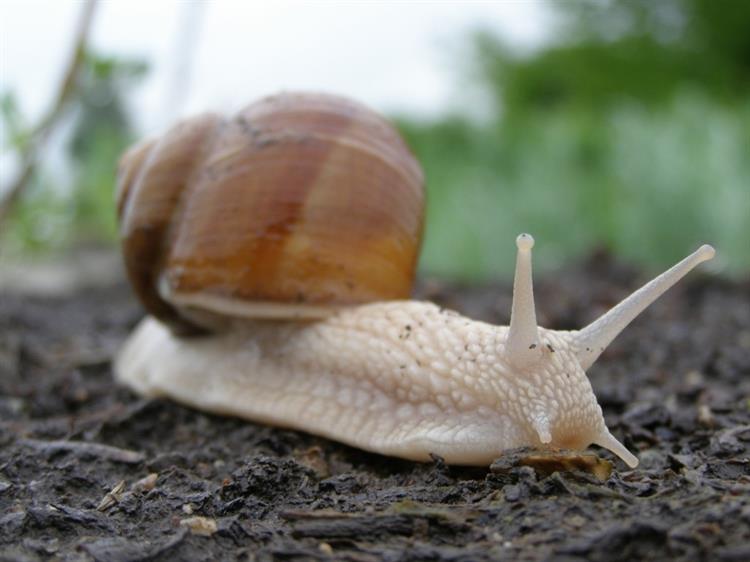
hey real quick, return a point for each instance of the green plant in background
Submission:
(102, 130)
(73, 203)
(624, 51)
(644, 184)
(630, 130)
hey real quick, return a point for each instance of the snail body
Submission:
(403, 378)
(373, 369)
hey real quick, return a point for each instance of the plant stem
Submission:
(31, 150)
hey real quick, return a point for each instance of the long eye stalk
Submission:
(523, 347)
(592, 340)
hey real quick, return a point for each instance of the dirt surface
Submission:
(90, 471)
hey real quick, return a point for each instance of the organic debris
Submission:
(90, 471)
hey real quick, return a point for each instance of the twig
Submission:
(31, 150)
(83, 448)
(187, 40)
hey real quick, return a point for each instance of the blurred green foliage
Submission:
(55, 212)
(629, 130)
(650, 186)
(621, 51)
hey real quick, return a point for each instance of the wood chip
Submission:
(548, 462)
(112, 497)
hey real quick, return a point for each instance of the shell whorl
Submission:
(305, 201)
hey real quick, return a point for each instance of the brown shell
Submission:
(308, 200)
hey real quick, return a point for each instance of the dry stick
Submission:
(107, 452)
(186, 42)
(40, 134)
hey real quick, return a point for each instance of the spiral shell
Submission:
(300, 204)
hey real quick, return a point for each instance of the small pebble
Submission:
(145, 484)
(201, 526)
(577, 521)
(706, 416)
(512, 493)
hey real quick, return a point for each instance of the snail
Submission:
(275, 251)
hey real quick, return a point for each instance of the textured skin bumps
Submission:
(402, 378)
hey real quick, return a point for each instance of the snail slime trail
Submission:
(275, 253)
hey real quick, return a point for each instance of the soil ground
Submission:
(90, 471)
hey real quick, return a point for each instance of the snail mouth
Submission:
(570, 442)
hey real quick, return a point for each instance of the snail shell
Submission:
(300, 204)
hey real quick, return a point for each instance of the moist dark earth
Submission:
(89, 470)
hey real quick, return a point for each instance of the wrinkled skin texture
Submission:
(403, 378)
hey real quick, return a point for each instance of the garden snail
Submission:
(275, 251)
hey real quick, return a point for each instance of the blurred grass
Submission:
(72, 204)
(647, 185)
(50, 217)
